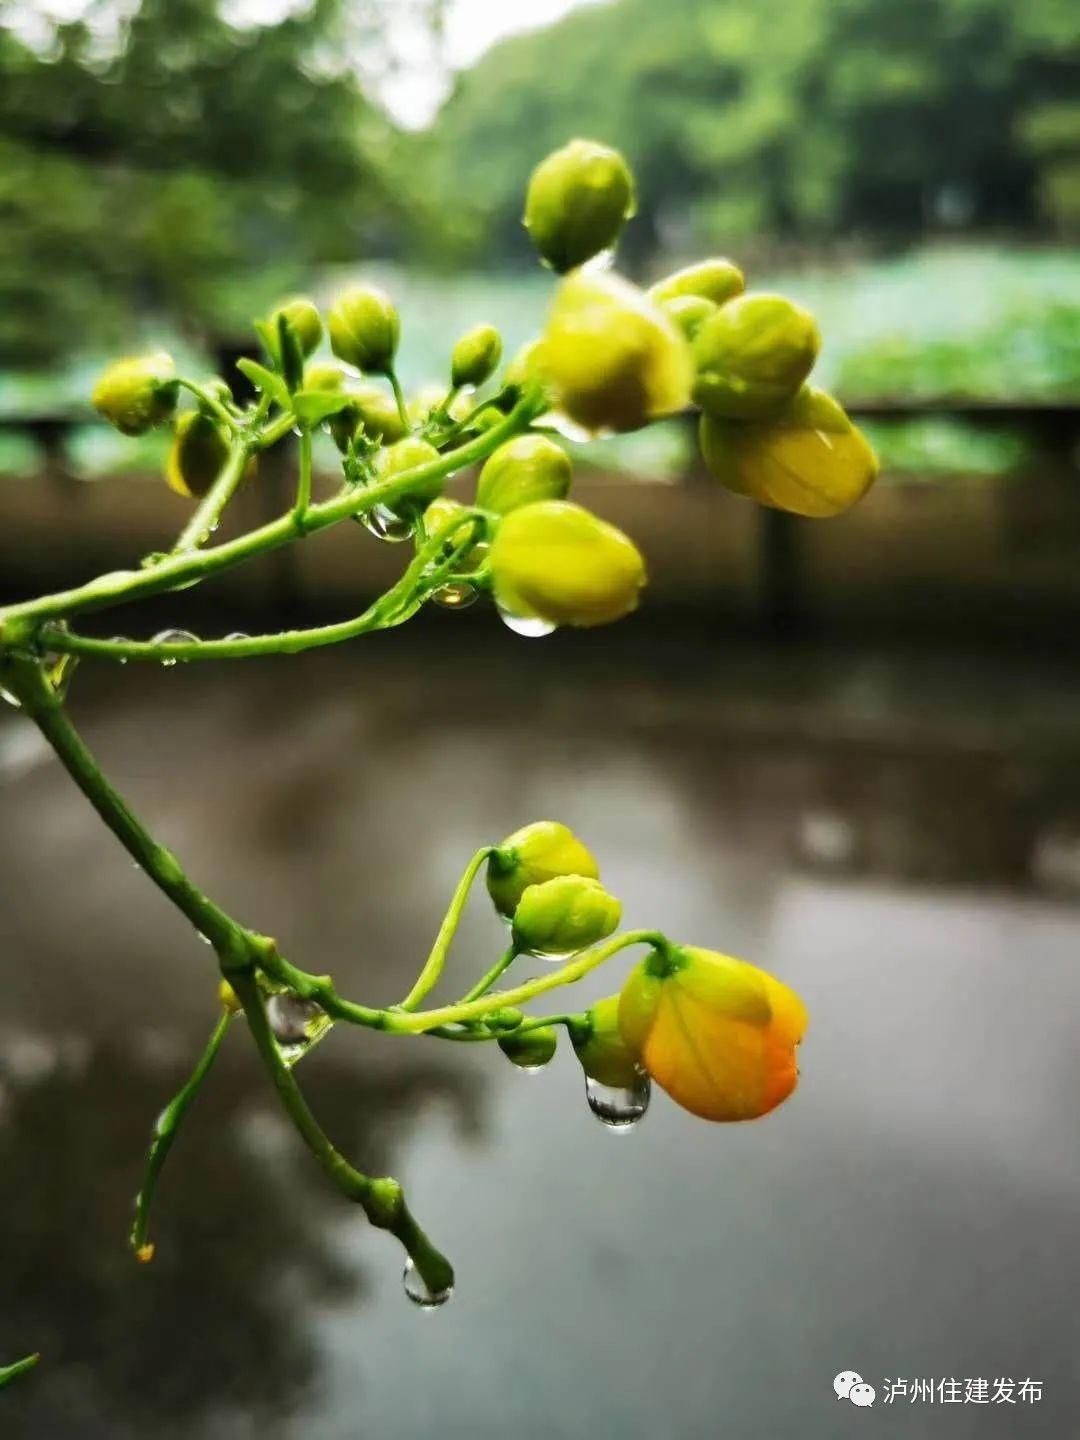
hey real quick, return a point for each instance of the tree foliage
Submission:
(807, 120)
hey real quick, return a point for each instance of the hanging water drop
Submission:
(384, 524)
(173, 637)
(531, 626)
(456, 596)
(289, 1017)
(120, 640)
(417, 1291)
(10, 698)
(235, 635)
(619, 1108)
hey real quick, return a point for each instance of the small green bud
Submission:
(577, 201)
(688, 312)
(324, 377)
(524, 369)
(137, 393)
(229, 998)
(753, 355)
(532, 1050)
(611, 357)
(303, 320)
(563, 915)
(405, 455)
(365, 329)
(436, 517)
(198, 451)
(504, 1020)
(531, 855)
(716, 280)
(430, 397)
(603, 1053)
(555, 561)
(370, 406)
(476, 356)
(527, 468)
(810, 459)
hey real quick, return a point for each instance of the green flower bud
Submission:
(303, 320)
(531, 855)
(324, 377)
(810, 460)
(532, 1050)
(405, 455)
(557, 562)
(563, 915)
(612, 358)
(365, 329)
(577, 202)
(525, 469)
(688, 312)
(524, 369)
(430, 397)
(370, 406)
(603, 1053)
(198, 451)
(716, 280)
(439, 514)
(753, 355)
(137, 393)
(476, 356)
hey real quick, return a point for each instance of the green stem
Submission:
(205, 519)
(209, 402)
(399, 398)
(382, 1200)
(303, 484)
(400, 602)
(12, 1372)
(26, 679)
(165, 1132)
(124, 585)
(484, 984)
(433, 965)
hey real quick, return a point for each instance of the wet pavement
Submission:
(898, 837)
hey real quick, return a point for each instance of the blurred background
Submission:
(847, 750)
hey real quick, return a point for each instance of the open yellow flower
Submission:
(717, 1034)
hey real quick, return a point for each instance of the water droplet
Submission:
(297, 1024)
(567, 428)
(531, 626)
(173, 637)
(237, 635)
(384, 524)
(456, 596)
(120, 640)
(417, 1291)
(204, 938)
(618, 1108)
(10, 698)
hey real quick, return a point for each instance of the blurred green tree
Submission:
(807, 120)
(175, 163)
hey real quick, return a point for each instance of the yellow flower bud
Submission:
(810, 459)
(717, 1034)
(137, 393)
(563, 915)
(525, 469)
(436, 517)
(530, 1051)
(717, 280)
(535, 853)
(324, 377)
(603, 1053)
(476, 356)
(229, 998)
(688, 312)
(197, 454)
(753, 355)
(364, 328)
(612, 358)
(303, 319)
(428, 397)
(557, 562)
(405, 455)
(577, 201)
(371, 406)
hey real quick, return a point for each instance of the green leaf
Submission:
(265, 380)
(312, 407)
(12, 1372)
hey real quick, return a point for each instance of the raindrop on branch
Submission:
(120, 640)
(235, 635)
(173, 637)
(417, 1291)
(384, 524)
(456, 596)
(617, 1107)
(290, 1016)
(531, 626)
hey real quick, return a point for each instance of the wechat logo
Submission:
(849, 1385)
